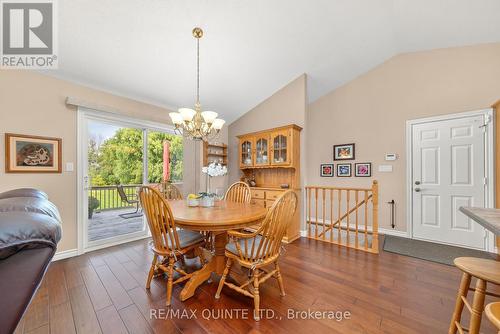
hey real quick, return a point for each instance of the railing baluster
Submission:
(324, 212)
(348, 240)
(366, 219)
(339, 221)
(357, 207)
(331, 215)
(316, 212)
(309, 190)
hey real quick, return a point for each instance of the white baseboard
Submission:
(396, 233)
(303, 233)
(65, 254)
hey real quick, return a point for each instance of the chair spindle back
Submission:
(160, 220)
(238, 192)
(272, 230)
(170, 191)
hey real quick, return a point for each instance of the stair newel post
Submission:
(375, 216)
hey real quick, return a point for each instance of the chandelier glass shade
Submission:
(195, 123)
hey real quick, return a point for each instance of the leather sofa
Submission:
(30, 228)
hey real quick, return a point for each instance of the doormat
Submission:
(431, 251)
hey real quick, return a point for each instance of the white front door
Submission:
(448, 171)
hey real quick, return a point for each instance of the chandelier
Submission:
(196, 124)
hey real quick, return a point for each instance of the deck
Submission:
(106, 224)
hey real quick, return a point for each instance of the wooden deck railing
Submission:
(109, 199)
(108, 196)
(343, 216)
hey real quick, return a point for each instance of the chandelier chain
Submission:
(198, 70)
(197, 124)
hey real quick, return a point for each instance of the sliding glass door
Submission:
(119, 157)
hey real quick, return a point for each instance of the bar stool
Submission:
(486, 271)
(492, 311)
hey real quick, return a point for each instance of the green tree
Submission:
(93, 157)
(119, 159)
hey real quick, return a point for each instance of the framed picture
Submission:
(363, 169)
(326, 170)
(343, 152)
(344, 170)
(32, 154)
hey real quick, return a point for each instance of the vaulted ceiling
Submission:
(144, 49)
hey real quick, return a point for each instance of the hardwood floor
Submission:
(103, 292)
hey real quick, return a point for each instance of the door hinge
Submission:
(485, 181)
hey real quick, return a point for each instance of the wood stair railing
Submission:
(343, 216)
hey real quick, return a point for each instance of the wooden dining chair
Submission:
(170, 191)
(238, 192)
(260, 249)
(169, 243)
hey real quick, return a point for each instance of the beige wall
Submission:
(286, 106)
(371, 111)
(31, 103)
(194, 179)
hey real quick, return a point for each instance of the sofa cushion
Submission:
(30, 204)
(27, 230)
(24, 192)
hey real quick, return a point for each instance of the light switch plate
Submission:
(70, 167)
(385, 168)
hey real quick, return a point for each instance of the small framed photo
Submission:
(343, 152)
(344, 170)
(32, 154)
(363, 169)
(326, 170)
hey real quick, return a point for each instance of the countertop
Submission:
(488, 218)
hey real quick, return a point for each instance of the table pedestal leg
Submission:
(216, 265)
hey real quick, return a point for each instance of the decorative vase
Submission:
(207, 201)
(208, 184)
(193, 202)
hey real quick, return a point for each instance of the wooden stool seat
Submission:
(488, 270)
(493, 313)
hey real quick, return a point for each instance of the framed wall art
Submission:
(326, 170)
(32, 154)
(363, 169)
(343, 152)
(344, 170)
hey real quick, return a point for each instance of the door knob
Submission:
(417, 182)
(417, 190)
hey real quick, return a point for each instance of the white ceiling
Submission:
(143, 49)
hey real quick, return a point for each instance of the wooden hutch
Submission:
(272, 159)
(214, 152)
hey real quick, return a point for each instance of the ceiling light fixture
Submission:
(196, 124)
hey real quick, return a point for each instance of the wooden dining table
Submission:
(219, 219)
